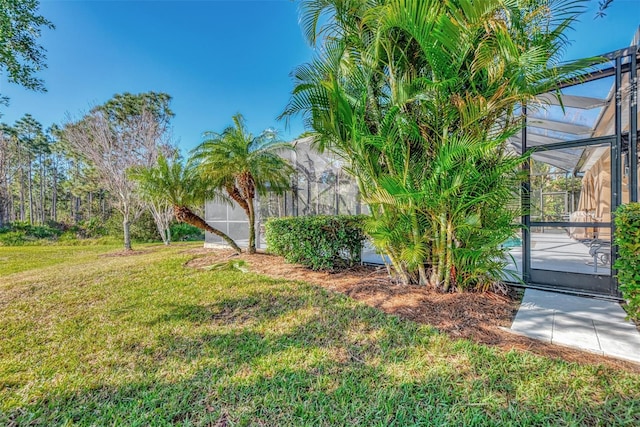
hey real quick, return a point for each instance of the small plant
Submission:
(13, 238)
(627, 237)
(183, 232)
(231, 265)
(317, 242)
(22, 233)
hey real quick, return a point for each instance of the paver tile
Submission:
(579, 306)
(585, 323)
(535, 323)
(619, 340)
(575, 332)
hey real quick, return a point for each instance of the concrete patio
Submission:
(589, 324)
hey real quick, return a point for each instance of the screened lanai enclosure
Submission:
(584, 164)
(321, 186)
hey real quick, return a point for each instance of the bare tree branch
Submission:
(115, 147)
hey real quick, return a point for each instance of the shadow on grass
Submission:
(307, 357)
(257, 306)
(241, 330)
(329, 391)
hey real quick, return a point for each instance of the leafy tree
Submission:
(181, 186)
(420, 96)
(20, 55)
(243, 165)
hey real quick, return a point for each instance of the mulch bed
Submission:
(475, 316)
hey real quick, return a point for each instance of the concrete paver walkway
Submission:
(589, 324)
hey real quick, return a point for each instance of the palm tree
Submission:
(181, 186)
(243, 164)
(420, 96)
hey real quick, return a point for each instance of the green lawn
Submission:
(143, 340)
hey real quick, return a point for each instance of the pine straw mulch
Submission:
(474, 316)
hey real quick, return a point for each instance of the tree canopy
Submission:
(21, 57)
(178, 184)
(243, 164)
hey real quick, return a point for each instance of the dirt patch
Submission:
(476, 316)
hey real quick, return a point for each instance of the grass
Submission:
(87, 339)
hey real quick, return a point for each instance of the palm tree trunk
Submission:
(235, 194)
(252, 227)
(440, 243)
(184, 214)
(422, 274)
(448, 258)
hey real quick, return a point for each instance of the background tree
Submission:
(33, 145)
(127, 131)
(20, 55)
(173, 183)
(421, 96)
(25, 151)
(243, 164)
(5, 176)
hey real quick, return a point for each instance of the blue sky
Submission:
(216, 58)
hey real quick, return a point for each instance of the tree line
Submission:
(118, 160)
(43, 180)
(77, 171)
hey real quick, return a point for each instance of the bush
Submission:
(627, 237)
(22, 233)
(13, 238)
(317, 242)
(92, 228)
(90, 232)
(36, 231)
(142, 230)
(181, 232)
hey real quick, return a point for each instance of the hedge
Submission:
(627, 237)
(317, 242)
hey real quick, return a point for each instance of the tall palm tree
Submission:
(243, 164)
(420, 96)
(180, 185)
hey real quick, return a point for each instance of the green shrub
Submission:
(317, 242)
(21, 233)
(627, 237)
(36, 231)
(181, 232)
(13, 238)
(68, 237)
(143, 229)
(92, 228)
